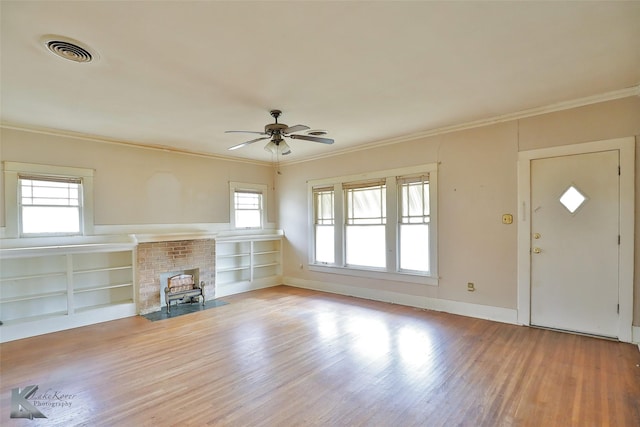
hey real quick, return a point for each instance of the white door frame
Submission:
(627, 206)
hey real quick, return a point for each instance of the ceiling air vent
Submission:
(68, 49)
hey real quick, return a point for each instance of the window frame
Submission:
(350, 192)
(423, 219)
(392, 230)
(319, 220)
(13, 171)
(252, 188)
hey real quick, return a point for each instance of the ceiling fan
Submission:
(277, 131)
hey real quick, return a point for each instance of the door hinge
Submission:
(618, 308)
(618, 239)
(618, 170)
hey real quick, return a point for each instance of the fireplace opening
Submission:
(164, 281)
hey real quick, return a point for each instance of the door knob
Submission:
(536, 235)
(536, 250)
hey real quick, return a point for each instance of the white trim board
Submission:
(223, 290)
(498, 314)
(11, 332)
(518, 115)
(636, 335)
(626, 146)
(536, 111)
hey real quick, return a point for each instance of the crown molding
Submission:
(531, 112)
(99, 139)
(536, 111)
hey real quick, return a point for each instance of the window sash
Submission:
(248, 200)
(248, 208)
(414, 203)
(323, 203)
(324, 244)
(48, 192)
(365, 203)
(50, 205)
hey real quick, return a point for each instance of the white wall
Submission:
(477, 184)
(136, 186)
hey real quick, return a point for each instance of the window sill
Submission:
(375, 274)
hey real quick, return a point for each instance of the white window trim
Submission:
(392, 271)
(12, 209)
(262, 188)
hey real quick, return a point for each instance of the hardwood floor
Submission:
(287, 357)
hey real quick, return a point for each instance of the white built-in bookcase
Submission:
(45, 289)
(245, 263)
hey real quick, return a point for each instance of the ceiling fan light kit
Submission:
(282, 148)
(277, 131)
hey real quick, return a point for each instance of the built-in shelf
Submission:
(95, 270)
(30, 297)
(32, 276)
(107, 305)
(248, 262)
(34, 318)
(47, 290)
(240, 267)
(102, 288)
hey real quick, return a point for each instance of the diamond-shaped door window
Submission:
(572, 199)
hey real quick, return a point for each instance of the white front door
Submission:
(574, 242)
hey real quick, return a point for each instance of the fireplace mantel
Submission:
(171, 237)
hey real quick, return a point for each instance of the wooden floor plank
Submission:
(286, 357)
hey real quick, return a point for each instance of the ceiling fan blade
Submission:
(296, 128)
(244, 131)
(312, 138)
(235, 147)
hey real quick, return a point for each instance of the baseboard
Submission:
(223, 290)
(498, 314)
(635, 335)
(11, 332)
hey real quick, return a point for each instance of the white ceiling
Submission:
(178, 74)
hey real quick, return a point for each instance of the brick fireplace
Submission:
(157, 258)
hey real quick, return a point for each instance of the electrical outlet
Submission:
(471, 287)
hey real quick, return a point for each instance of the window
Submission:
(413, 224)
(247, 205)
(380, 225)
(45, 200)
(324, 221)
(50, 205)
(365, 223)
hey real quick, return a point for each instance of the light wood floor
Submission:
(288, 357)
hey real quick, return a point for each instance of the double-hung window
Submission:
(380, 225)
(248, 203)
(365, 223)
(50, 205)
(248, 208)
(413, 223)
(324, 224)
(47, 200)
